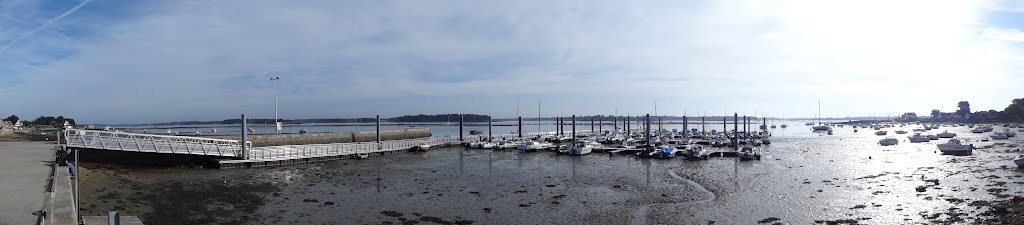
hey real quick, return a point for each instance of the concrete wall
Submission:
(327, 138)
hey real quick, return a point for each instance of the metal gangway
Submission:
(151, 143)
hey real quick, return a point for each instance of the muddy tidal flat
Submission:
(804, 178)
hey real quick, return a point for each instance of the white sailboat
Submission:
(820, 126)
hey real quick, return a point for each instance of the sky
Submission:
(104, 61)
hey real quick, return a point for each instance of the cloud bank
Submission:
(198, 60)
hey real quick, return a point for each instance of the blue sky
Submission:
(105, 61)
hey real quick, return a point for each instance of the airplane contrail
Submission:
(41, 27)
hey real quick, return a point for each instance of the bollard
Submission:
(113, 218)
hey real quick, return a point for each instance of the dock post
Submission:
(736, 128)
(647, 129)
(685, 125)
(245, 131)
(489, 136)
(592, 125)
(379, 147)
(615, 122)
(703, 129)
(600, 123)
(725, 123)
(521, 126)
(745, 125)
(764, 122)
(462, 119)
(629, 132)
(574, 130)
(659, 125)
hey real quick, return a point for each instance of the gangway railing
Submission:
(133, 142)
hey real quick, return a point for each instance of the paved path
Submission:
(23, 172)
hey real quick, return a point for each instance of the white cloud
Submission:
(1004, 34)
(207, 59)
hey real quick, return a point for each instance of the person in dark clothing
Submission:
(62, 159)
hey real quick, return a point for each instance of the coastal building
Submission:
(910, 116)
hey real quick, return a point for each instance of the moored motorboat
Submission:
(954, 147)
(1019, 161)
(901, 132)
(580, 148)
(999, 136)
(502, 145)
(530, 146)
(881, 132)
(946, 134)
(1009, 133)
(888, 141)
(664, 152)
(422, 147)
(918, 138)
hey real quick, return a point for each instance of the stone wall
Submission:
(327, 138)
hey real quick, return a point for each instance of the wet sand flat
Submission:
(804, 178)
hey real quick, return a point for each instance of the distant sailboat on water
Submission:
(820, 126)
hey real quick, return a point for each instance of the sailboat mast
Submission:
(538, 115)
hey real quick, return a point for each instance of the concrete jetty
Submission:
(25, 171)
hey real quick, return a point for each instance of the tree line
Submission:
(43, 121)
(1012, 113)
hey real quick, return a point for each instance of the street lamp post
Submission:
(277, 124)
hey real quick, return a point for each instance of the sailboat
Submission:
(820, 126)
(784, 121)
